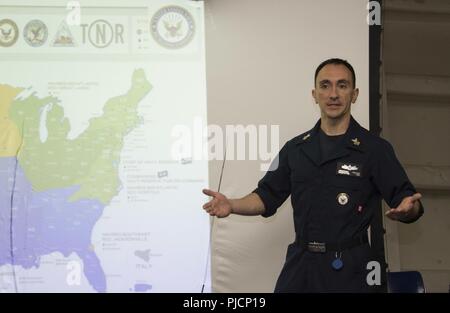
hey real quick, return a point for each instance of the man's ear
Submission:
(355, 95)
(313, 93)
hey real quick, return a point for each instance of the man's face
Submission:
(334, 91)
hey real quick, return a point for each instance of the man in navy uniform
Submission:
(335, 174)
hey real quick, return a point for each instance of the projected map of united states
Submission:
(53, 190)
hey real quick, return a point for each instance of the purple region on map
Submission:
(45, 222)
(142, 287)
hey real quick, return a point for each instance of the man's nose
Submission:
(333, 94)
(334, 97)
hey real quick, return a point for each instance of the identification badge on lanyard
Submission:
(337, 263)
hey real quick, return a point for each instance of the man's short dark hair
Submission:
(336, 61)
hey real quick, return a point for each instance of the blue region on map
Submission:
(142, 287)
(45, 222)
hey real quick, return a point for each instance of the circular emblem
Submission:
(342, 198)
(172, 27)
(108, 33)
(8, 33)
(35, 33)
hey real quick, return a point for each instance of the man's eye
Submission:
(343, 86)
(324, 86)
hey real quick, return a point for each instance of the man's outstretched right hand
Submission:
(219, 205)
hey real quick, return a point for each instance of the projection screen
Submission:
(95, 194)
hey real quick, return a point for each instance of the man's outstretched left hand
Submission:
(407, 210)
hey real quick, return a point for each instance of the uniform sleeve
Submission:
(275, 186)
(390, 178)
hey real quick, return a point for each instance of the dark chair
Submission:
(405, 282)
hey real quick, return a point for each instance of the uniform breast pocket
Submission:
(300, 182)
(299, 185)
(344, 195)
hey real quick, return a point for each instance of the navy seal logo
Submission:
(342, 198)
(9, 32)
(35, 33)
(172, 27)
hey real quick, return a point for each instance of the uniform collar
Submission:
(309, 142)
(353, 136)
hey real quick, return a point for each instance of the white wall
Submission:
(261, 58)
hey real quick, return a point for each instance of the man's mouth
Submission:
(333, 105)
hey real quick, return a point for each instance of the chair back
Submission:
(405, 282)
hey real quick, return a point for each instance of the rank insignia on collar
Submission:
(356, 142)
(306, 136)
